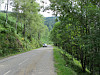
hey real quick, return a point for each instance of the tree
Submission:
(25, 27)
(7, 11)
(79, 25)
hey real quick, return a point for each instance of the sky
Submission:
(45, 4)
(4, 4)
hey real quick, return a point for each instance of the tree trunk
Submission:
(22, 27)
(38, 36)
(24, 30)
(17, 22)
(83, 61)
(7, 12)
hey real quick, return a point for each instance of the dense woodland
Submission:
(49, 22)
(78, 31)
(23, 29)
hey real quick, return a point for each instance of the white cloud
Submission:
(47, 13)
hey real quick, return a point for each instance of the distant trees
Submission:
(49, 22)
(78, 31)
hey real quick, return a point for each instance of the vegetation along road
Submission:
(35, 62)
(73, 28)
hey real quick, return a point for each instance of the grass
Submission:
(60, 64)
(73, 66)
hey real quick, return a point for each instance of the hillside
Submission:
(49, 22)
(14, 40)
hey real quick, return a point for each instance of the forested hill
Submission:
(49, 21)
(20, 32)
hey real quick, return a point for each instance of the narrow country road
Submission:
(35, 62)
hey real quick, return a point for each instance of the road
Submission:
(35, 62)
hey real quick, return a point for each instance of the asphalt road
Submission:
(35, 62)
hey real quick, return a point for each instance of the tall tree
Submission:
(79, 25)
(7, 11)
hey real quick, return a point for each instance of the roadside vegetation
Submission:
(23, 29)
(69, 67)
(78, 32)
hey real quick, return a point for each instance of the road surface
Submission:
(35, 62)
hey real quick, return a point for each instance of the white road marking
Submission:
(23, 62)
(7, 72)
(1, 65)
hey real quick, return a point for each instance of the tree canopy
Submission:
(22, 29)
(78, 31)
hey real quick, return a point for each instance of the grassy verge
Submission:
(60, 64)
(69, 66)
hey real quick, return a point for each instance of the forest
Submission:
(23, 29)
(49, 22)
(78, 31)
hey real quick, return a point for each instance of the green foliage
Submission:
(49, 22)
(60, 64)
(23, 30)
(78, 31)
(71, 67)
